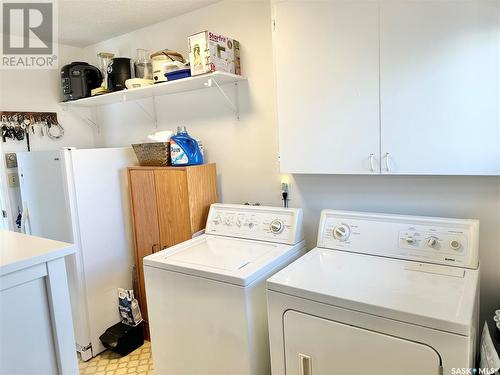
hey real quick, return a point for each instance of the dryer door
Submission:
(316, 346)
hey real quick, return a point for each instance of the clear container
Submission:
(142, 65)
(103, 59)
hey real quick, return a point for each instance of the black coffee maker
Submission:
(119, 70)
(78, 79)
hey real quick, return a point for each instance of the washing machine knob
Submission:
(276, 226)
(410, 240)
(341, 232)
(455, 245)
(432, 241)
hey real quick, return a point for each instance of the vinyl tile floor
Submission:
(108, 363)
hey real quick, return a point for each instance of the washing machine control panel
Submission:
(275, 224)
(427, 239)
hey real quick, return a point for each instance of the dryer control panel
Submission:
(427, 239)
(273, 224)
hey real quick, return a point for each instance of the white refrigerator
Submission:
(81, 196)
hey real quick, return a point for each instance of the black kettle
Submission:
(119, 70)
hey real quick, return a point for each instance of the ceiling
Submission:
(85, 22)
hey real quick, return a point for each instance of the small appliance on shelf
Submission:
(143, 71)
(165, 61)
(103, 58)
(78, 79)
(135, 83)
(210, 52)
(119, 71)
(143, 66)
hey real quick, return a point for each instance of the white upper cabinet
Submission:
(415, 84)
(440, 86)
(327, 82)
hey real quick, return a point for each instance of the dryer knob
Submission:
(341, 232)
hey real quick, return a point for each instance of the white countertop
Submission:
(18, 251)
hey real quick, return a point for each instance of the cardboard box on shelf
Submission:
(210, 52)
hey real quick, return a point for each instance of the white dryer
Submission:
(207, 296)
(381, 294)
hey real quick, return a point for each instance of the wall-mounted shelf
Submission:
(216, 79)
(159, 89)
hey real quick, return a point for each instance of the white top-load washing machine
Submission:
(207, 296)
(381, 294)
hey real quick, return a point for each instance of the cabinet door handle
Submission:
(153, 248)
(372, 168)
(387, 167)
(305, 364)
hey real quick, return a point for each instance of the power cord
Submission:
(284, 194)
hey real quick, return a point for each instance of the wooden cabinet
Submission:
(169, 205)
(389, 87)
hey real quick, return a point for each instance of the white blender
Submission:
(103, 60)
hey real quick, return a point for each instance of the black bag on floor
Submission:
(122, 338)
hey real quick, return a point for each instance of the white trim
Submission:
(60, 312)
(4, 195)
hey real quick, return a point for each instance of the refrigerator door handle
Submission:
(25, 218)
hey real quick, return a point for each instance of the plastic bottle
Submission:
(184, 150)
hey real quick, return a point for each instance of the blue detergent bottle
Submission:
(184, 150)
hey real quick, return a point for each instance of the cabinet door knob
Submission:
(387, 166)
(372, 168)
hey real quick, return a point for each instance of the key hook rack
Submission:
(20, 125)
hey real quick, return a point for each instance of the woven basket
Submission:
(153, 154)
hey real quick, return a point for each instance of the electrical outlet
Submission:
(285, 187)
(13, 180)
(11, 160)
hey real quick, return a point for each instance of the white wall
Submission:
(246, 150)
(40, 90)
(248, 145)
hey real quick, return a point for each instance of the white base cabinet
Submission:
(388, 87)
(36, 327)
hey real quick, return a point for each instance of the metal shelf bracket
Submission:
(152, 116)
(87, 119)
(234, 105)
